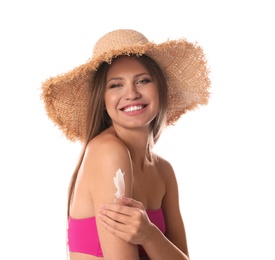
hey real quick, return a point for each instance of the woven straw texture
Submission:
(66, 96)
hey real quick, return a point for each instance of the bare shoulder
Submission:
(104, 155)
(166, 171)
(164, 167)
(106, 143)
(108, 151)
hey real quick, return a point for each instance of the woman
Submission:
(117, 104)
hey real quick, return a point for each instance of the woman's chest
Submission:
(149, 188)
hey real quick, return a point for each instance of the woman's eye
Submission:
(115, 85)
(143, 81)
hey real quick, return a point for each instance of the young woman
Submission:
(117, 104)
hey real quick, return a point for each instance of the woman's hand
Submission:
(127, 220)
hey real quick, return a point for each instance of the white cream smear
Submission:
(119, 183)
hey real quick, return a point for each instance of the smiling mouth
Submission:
(133, 108)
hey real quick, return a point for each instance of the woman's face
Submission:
(131, 96)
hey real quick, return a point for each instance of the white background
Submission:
(223, 154)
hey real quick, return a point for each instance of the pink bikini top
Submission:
(83, 235)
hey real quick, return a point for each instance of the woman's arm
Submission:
(132, 224)
(173, 245)
(102, 159)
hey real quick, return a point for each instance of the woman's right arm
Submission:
(102, 160)
(132, 224)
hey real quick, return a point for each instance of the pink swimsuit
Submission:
(83, 235)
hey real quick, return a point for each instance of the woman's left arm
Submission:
(174, 244)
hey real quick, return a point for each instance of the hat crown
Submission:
(118, 39)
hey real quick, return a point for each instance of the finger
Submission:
(111, 222)
(125, 232)
(131, 202)
(113, 228)
(115, 216)
(113, 225)
(119, 208)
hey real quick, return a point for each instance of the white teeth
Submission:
(133, 108)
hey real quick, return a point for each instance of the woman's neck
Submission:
(137, 141)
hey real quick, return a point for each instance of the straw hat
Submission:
(66, 96)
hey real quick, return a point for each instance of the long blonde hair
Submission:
(98, 119)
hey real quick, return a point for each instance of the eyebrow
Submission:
(136, 76)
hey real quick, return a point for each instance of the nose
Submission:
(132, 92)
